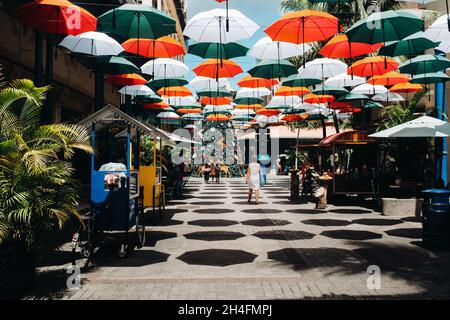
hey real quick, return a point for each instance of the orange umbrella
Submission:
(213, 68)
(177, 91)
(340, 47)
(250, 106)
(389, 79)
(164, 47)
(217, 117)
(129, 79)
(215, 101)
(156, 106)
(294, 117)
(291, 91)
(319, 98)
(406, 87)
(372, 66)
(252, 82)
(268, 112)
(195, 110)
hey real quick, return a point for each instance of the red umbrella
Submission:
(57, 16)
(372, 66)
(319, 98)
(340, 47)
(164, 47)
(129, 79)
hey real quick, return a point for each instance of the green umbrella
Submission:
(212, 50)
(136, 21)
(334, 91)
(169, 82)
(297, 80)
(192, 117)
(428, 78)
(219, 92)
(248, 101)
(114, 65)
(294, 111)
(425, 64)
(282, 107)
(242, 117)
(270, 69)
(372, 104)
(352, 97)
(187, 107)
(148, 99)
(411, 45)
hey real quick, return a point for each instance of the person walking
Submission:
(206, 169)
(253, 178)
(217, 172)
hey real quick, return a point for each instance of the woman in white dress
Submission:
(253, 179)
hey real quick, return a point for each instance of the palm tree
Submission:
(38, 193)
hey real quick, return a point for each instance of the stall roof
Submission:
(284, 132)
(175, 137)
(349, 137)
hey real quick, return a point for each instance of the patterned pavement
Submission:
(214, 245)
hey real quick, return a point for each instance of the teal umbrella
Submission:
(297, 80)
(192, 117)
(281, 107)
(219, 92)
(114, 65)
(372, 104)
(270, 69)
(187, 107)
(248, 101)
(294, 111)
(148, 99)
(429, 78)
(136, 21)
(425, 64)
(212, 50)
(409, 46)
(242, 117)
(168, 82)
(334, 91)
(352, 97)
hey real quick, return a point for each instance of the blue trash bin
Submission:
(436, 219)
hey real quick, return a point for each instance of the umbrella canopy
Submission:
(340, 47)
(297, 80)
(319, 98)
(424, 126)
(56, 16)
(322, 68)
(252, 82)
(168, 115)
(294, 117)
(429, 78)
(217, 101)
(424, 64)
(177, 91)
(369, 89)
(406, 87)
(113, 65)
(189, 110)
(252, 93)
(241, 117)
(129, 79)
(217, 117)
(285, 100)
(92, 43)
(388, 97)
(149, 99)
(163, 47)
(372, 104)
(334, 91)
(291, 91)
(212, 68)
(210, 26)
(411, 45)
(248, 107)
(389, 79)
(266, 49)
(167, 82)
(344, 80)
(136, 90)
(268, 112)
(180, 101)
(192, 117)
(206, 82)
(137, 21)
(340, 105)
(353, 97)
(165, 68)
(248, 100)
(219, 92)
(270, 69)
(215, 50)
(160, 106)
(372, 66)
(439, 29)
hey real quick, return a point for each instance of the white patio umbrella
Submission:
(322, 68)
(180, 101)
(221, 108)
(344, 80)
(253, 92)
(388, 97)
(210, 26)
(136, 90)
(200, 82)
(310, 107)
(285, 100)
(369, 89)
(165, 68)
(266, 48)
(168, 115)
(439, 30)
(243, 111)
(92, 43)
(424, 126)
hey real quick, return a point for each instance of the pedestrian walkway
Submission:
(213, 244)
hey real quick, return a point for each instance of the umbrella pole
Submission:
(351, 58)
(441, 143)
(279, 64)
(227, 22)
(296, 148)
(303, 40)
(384, 43)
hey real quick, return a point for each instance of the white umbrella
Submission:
(200, 82)
(165, 68)
(265, 119)
(168, 115)
(136, 90)
(369, 89)
(424, 126)
(253, 92)
(285, 100)
(322, 68)
(266, 48)
(309, 107)
(92, 43)
(222, 108)
(439, 30)
(180, 101)
(210, 26)
(344, 80)
(388, 97)
(244, 111)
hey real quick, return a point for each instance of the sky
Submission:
(262, 12)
